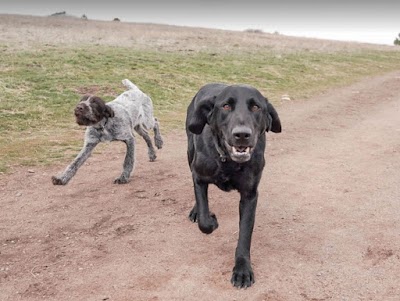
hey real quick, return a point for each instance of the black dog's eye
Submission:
(227, 107)
(255, 108)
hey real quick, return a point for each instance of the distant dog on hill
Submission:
(115, 120)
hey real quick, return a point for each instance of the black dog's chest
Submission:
(229, 176)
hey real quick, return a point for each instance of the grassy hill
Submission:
(48, 63)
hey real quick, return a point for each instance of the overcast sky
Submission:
(355, 20)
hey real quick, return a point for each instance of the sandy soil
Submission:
(327, 225)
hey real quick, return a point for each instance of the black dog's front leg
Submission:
(242, 272)
(201, 212)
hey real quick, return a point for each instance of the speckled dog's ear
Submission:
(108, 112)
(100, 109)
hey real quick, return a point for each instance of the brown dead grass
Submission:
(25, 32)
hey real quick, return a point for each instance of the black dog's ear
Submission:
(108, 112)
(274, 123)
(197, 121)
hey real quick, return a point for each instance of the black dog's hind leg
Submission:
(193, 214)
(201, 212)
(242, 272)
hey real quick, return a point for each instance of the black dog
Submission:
(226, 128)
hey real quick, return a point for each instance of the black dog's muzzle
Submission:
(240, 145)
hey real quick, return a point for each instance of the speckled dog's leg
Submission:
(71, 169)
(129, 162)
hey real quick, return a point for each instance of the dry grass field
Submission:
(27, 32)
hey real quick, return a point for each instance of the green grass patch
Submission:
(39, 88)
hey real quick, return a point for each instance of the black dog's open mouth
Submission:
(241, 150)
(239, 154)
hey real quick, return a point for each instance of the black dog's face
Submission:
(238, 116)
(90, 110)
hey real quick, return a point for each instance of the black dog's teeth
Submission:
(241, 149)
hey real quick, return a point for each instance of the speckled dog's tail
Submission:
(129, 85)
(146, 108)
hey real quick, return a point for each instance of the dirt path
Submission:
(327, 224)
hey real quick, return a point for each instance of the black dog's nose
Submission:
(241, 134)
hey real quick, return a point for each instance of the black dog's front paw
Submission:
(243, 275)
(209, 224)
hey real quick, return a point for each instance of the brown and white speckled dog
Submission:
(114, 121)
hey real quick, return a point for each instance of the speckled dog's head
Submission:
(91, 110)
